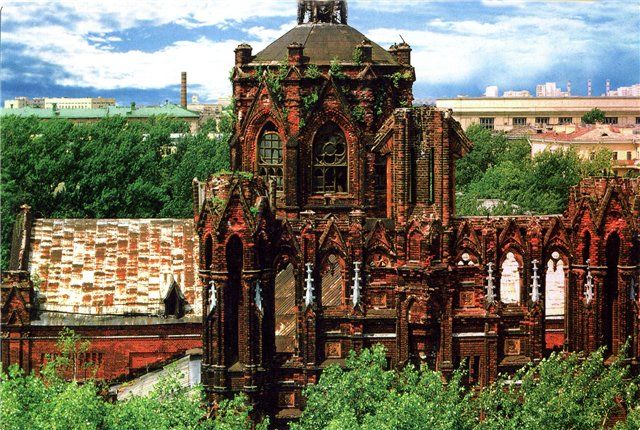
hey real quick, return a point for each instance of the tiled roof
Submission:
(589, 133)
(168, 109)
(323, 43)
(114, 266)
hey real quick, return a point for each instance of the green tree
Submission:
(593, 116)
(108, 169)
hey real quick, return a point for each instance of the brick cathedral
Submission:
(345, 235)
(340, 233)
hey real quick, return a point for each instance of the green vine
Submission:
(217, 203)
(231, 73)
(308, 102)
(274, 81)
(357, 55)
(335, 70)
(312, 72)
(254, 210)
(358, 113)
(378, 106)
(397, 77)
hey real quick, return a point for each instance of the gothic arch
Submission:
(332, 280)
(270, 153)
(233, 294)
(330, 160)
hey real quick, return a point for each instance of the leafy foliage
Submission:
(274, 81)
(335, 70)
(503, 170)
(593, 116)
(50, 402)
(312, 72)
(561, 392)
(108, 169)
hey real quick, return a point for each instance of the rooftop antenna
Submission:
(403, 41)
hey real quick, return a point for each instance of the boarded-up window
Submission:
(285, 291)
(554, 287)
(510, 280)
(332, 282)
(415, 246)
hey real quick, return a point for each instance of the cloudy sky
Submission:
(134, 50)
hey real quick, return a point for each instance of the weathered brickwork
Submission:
(381, 257)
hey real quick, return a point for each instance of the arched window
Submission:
(586, 246)
(330, 171)
(270, 156)
(554, 287)
(331, 287)
(510, 280)
(285, 315)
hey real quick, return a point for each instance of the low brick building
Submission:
(128, 286)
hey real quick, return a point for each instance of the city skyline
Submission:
(136, 52)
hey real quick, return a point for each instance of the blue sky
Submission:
(135, 50)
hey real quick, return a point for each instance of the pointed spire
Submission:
(308, 294)
(356, 284)
(258, 295)
(213, 296)
(535, 287)
(490, 294)
(588, 286)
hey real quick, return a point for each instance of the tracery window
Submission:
(330, 171)
(270, 156)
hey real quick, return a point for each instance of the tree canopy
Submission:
(503, 171)
(593, 116)
(108, 169)
(561, 392)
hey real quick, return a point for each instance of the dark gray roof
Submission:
(322, 42)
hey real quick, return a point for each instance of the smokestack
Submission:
(568, 88)
(589, 88)
(607, 87)
(183, 90)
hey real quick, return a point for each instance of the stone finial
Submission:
(490, 294)
(535, 286)
(355, 298)
(366, 51)
(588, 286)
(258, 295)
(308, 292)
(213, 296)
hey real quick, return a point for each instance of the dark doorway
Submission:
(232, 299)
(610, 293)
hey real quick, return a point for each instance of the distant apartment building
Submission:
(516, 93)
(60, 103)
(79, 103)
(541, 113)
(22, 102)
(631, 91)
(624, 142)
(549, 89)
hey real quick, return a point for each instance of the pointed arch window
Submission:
(554, 286)
(510, 282)
(330, 168)
(270, 156)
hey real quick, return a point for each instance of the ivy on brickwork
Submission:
(275, 80)
(308, 102)
(358, 113)
(312, 72)
(357, 55)
(335, 70)
(398, 77)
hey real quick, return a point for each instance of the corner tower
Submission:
(308, 108)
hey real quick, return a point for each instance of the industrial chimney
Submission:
(183, 90)
(607, 88)
(568, 88)
(589, 88)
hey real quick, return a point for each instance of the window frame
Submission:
(326, 135)
(519, 121)
(487, 122)
(265, 167)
